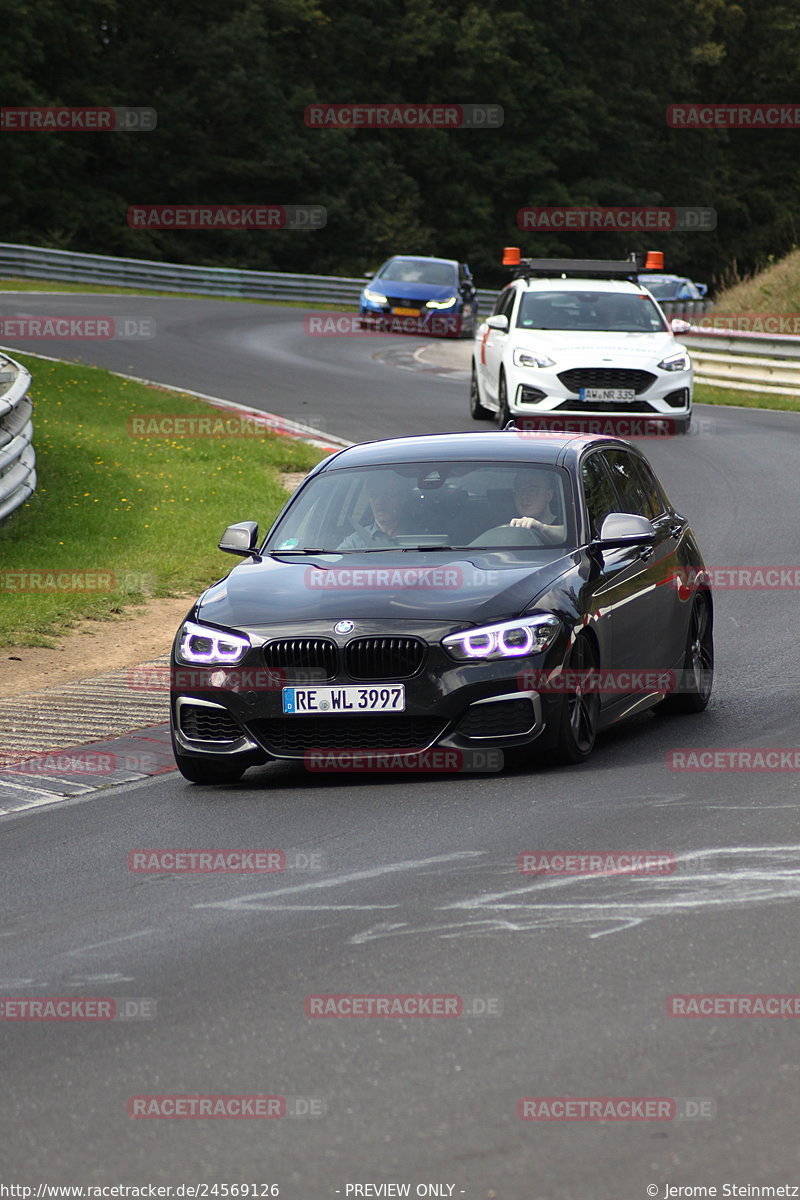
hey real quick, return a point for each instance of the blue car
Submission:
(674, 287)
(412, 294)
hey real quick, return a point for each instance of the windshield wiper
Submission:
(304, 550)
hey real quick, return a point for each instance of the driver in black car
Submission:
(387, 498)
(533, 496)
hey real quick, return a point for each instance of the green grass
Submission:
(47, 285)
(776, 289)
(703, 394)
(148, 511)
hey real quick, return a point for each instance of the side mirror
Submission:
(702, 289)
(368, 274)
(625, 529)
(499, 322)
(240, 539)
(678, 325)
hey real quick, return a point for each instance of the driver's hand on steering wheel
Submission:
(526, 522)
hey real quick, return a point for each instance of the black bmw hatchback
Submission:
(463, 592)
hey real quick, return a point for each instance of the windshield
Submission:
(662, 289)
(429, 506)
(419, 270)
(622, 312)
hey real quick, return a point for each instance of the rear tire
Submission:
(577, 728)
(697, 675)
(476, 409)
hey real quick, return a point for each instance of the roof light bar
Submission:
(582, 268)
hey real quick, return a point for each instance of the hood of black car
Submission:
(486, 586)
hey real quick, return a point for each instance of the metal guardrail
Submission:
(32, 262)
(17, 456)
(725, 358)
(721, 356)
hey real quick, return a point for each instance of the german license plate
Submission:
(380, 697)
(405, 312)
(623, 395)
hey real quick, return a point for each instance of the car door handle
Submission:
(675, 530)
(646, 552)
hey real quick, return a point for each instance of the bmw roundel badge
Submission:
(344, 627)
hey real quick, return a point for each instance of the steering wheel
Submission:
(509, 535)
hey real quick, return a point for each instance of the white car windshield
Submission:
(620, 312)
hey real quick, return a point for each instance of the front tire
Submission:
(503, 412)
(697, 676)
(577, 727)
(476, 409)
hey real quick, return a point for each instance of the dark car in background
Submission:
(674, 287)
(460, 591)
(414, 294)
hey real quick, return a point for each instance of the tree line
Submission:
(584, 87)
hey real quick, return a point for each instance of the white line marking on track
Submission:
(253, 899)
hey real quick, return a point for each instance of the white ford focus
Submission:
(570, 338)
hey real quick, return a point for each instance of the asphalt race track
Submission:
(410, 885)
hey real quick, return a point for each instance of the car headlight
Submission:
(201, 644)
(442, 303)
(526, 358)
(677, 362)
(374, 297)
(510, 639)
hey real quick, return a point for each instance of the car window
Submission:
(623, 312)
(505, 303)
(418, 270)
(628, 483)
(598, 492)
(656, 499)
(430, 504)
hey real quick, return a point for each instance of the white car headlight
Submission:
(510, 639)
(374, 297)
(201, 644)
(442, 303)
(527, 358)
(676, 362)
